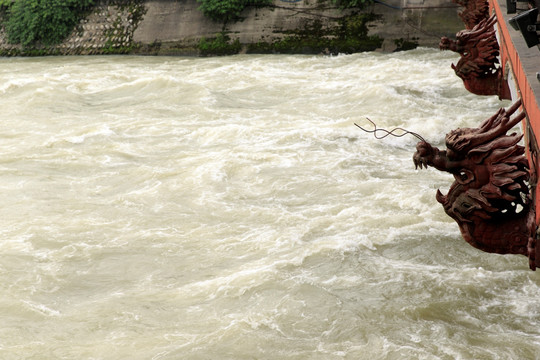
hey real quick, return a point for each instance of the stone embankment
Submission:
(175, 27)
(109, 28)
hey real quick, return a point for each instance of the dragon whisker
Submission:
(376, 130)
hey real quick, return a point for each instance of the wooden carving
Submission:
(474, 12)
(490, 198)
(478, 65)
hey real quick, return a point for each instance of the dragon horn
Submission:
(498, 127)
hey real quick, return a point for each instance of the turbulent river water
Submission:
(228, 208)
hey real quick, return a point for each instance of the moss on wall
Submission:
(218, 46)
(169, 27)
(350, 35)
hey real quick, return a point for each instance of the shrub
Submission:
(228, 10)
(221, 45)
(349, 36)
(404, 45)
(350, 4)
(46, 22)
(5, 4)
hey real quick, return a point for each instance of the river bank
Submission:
(165, 27)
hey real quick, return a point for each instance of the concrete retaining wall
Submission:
(176, 26)
(179, 23)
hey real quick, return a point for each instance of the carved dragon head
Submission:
(490, 170)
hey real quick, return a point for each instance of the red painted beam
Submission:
(524, 63)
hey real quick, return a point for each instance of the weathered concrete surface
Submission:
(426, 21)
(173, 21)
(167, 27)
(180, 24)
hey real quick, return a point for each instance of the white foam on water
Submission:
(229, 208)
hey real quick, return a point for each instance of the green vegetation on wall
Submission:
(120, 35)
(404, 45)
(228, 10)
(45, 22)
(349, 36)
(351, 4)
(220, 45)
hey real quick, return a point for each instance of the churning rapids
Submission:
(228, 208)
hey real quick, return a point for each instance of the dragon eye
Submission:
(464, 176)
